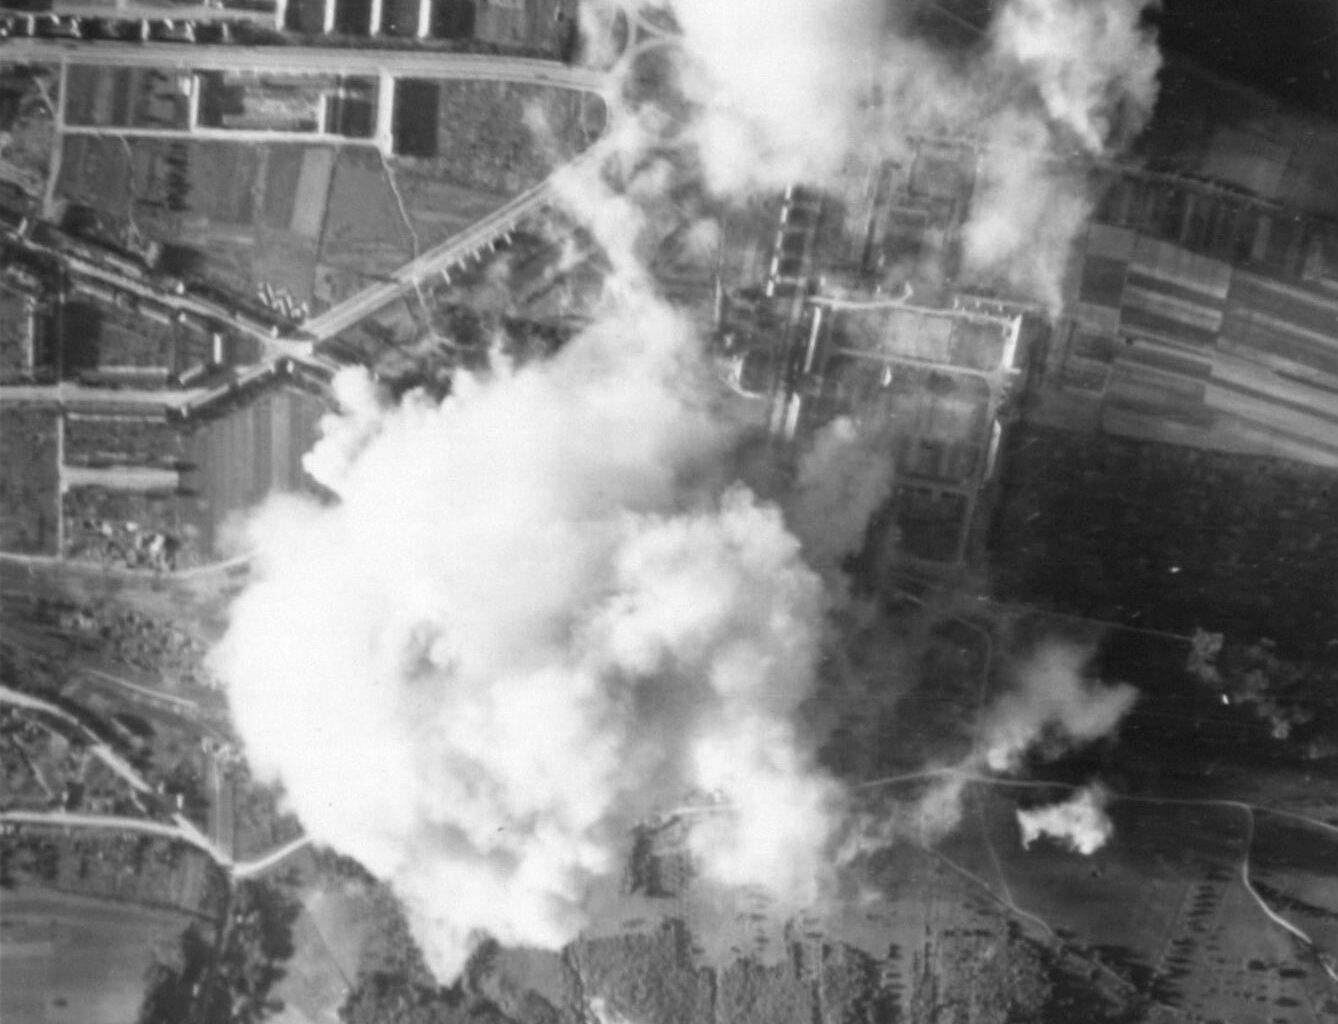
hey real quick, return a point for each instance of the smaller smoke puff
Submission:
(1053, 700)
(1053, 707)
(1080, 823)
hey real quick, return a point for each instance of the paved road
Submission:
(313, 60)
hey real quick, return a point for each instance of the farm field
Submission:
(126, 868)
(329, 935)
(366, 234)
(123, 97)
(242, 456)
(28, 97)
(251, 214)
(502, 138)
(71, 959)
(29, 483)
(93, 440)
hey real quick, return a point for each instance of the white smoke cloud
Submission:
(1094, 67)
(779, 82)
(843, 478)
(792, 90)
(519, 629)
(1053, 702)
(1026, 210)
(1080, 823)
(526, 621)
(1093, 64)
(1053, 708)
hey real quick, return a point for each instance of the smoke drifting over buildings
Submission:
(788, 91)
(535, 613)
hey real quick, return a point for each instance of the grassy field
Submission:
(70, 959)
(328, 935)
(366, 235)
(29, 502)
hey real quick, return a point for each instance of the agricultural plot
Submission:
(126, 97)
(98, 336)
(22, 336)
(108, 440)
(28, 97)
(366, 234)
(71, 959)
(249, 214)
(138, 869)
(29, 481)
(502, 138)
(241, 457)
(328, 937)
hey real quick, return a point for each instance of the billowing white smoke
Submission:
(1092, 62)
(785, 91)
(1055, 703)
(779, 83)
(1052, 709)
(518, 629)
(1095, 69)
(1080, 823)
(526, 621)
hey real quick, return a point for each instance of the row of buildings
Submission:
(538, 24)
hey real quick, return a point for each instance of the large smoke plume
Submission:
(521, 627)
(535, 611)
